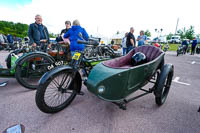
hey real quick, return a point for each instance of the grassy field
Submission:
(172, 47)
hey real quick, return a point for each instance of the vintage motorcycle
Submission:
(111, 80)
(28, 64)
(181, 50)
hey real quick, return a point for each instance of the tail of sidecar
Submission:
(115, 79)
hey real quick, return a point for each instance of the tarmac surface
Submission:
(89, 114)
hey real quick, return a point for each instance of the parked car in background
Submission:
(149, 40)
(175, 39)
(52, 40)
(161, 39)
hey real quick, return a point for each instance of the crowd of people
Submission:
(39, 36)
(129, 41)
(8, 41)
(185, 44)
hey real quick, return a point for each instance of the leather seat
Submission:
(150, 52)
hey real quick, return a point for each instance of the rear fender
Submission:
(31, 54)
(58, 69)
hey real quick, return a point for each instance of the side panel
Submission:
(113, 80)
(136, 77)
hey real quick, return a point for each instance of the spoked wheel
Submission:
(31, 68)
(57, 92)
(163, 84)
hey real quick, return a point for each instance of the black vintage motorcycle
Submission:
(181, 50)
(198, 49)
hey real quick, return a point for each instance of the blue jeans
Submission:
(124, 51)
(129, 49)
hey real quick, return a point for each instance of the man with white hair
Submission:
(130, 41)
(38, 33)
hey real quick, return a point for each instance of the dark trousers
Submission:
(129, 48)
(193, 50)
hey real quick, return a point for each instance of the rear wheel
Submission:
(31, 68)
(57, 92)
(163, 84)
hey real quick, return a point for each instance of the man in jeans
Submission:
(38, 34)
(194, 44)
(124, 43)
(130, 41)
(141, 38)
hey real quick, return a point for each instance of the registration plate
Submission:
(76, 56)
(58, 63)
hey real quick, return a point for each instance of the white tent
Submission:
(118, 37)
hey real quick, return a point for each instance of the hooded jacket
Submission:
(34, 33)
(76, 33)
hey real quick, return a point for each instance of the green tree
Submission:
(147, 33)
(186, 33)
(16, 29)
(190, 33)
(52, 35)
(169, 36)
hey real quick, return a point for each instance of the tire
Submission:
(163, 84)
(8, 59)
(177, 53)
(29, 70)
(44, 89)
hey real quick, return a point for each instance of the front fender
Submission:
(58, 69)
(49, 74)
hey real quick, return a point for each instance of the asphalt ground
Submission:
(89, 114)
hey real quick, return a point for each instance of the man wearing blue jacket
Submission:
(194, 44)
(76, 32)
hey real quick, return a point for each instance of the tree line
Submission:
(16, 29)
(183, 33)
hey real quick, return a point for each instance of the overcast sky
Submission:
(106, 16)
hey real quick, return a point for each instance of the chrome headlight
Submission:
(101, 89)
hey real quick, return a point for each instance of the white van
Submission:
(175, 39)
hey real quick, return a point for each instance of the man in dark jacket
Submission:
(68, 26)
(130, 41)
(38, 33)
(194, 44)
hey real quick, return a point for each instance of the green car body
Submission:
(114, 84)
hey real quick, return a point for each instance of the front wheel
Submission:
(163, 84)
(177, 53)
(57, 92)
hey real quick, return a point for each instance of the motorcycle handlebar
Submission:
(90, 42)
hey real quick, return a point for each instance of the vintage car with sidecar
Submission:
(111, 80)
